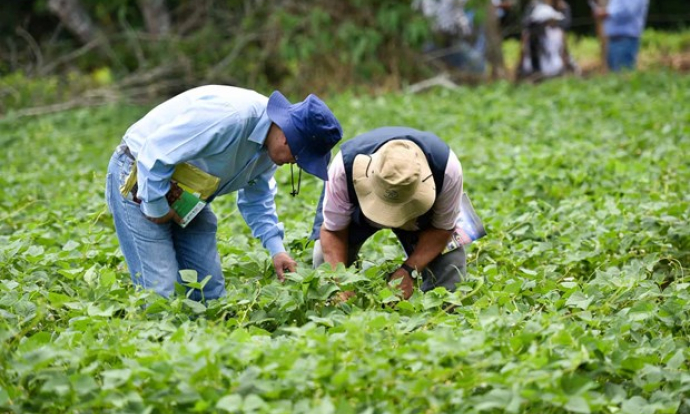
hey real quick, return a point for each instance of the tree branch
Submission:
(32, 45)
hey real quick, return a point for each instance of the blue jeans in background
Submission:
(155, 253)
(622, 52)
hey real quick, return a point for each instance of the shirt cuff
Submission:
(157, 208)
(275, 245)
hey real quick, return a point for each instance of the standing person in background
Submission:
(562, 6)
(544, 50)
(234, 139)
(457, 42)
(624, 21)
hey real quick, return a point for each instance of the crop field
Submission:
(576, 301)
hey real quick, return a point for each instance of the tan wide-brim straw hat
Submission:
(394, 185)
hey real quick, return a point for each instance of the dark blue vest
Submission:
(434, 148)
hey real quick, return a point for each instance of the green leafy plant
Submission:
(576, 301)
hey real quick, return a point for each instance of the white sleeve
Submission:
(446, 208)
(337, 208)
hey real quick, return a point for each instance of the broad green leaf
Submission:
(577, 404)
(195, 306)
(579, 300)
(676, 360)
(114, 378)
(82, 384)
(70, 246)
(4, 398)
(188, 275)
(231, 403)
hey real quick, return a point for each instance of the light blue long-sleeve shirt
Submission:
(221, 130)
(626, 17)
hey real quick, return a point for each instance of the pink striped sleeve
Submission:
(337, 208)
(446, 208)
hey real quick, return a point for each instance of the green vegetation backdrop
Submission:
(321, 46)
(577, 300)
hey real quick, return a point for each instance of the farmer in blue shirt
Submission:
(624, 22)
(234, 134)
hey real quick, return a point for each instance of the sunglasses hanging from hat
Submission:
(295, 191)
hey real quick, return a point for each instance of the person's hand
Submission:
(171, 215)
(600, 13)
(406, 284)
(344, 296)
(283, 263)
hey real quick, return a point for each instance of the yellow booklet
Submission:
(190, 187)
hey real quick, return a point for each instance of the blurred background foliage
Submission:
(323, 45)
(69, 52)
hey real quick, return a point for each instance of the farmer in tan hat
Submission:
(402, 179)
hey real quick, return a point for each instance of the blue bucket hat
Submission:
(311, 130)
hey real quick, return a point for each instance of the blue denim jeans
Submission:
(155, 253)
(622, 52)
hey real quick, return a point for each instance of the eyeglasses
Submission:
(295, 191)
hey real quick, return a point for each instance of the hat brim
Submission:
(382, 212)
(278, 110)
(317, 166)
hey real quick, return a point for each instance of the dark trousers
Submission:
(622, 52)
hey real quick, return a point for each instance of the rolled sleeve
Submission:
(275, 245)
(256, 203)
(155, 208)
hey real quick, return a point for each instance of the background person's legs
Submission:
(622, 53)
